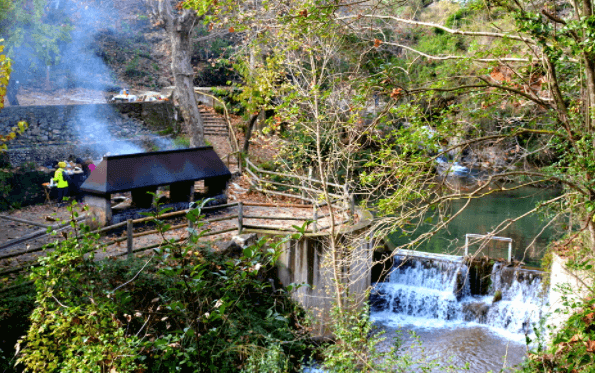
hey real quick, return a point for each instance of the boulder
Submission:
(237, 244)
(245, 240)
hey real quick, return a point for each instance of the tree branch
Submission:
(535, 99)
(449, 30)
(443, 58)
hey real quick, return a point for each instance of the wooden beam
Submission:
(24, 221)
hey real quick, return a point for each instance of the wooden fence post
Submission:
(314, 224)
(239, 157)
(130, 238)
(240, 217)
(303, 190)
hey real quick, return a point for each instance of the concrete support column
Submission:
(99, 208)
(181, 192)
(141, 198)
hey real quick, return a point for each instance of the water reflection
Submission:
(483, 215)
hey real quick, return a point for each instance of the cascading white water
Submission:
(437, 291)
(522, 300)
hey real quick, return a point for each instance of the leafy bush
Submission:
(16, 305)
(182, 142)
(572, 346)
(18, 189)
(182, 309)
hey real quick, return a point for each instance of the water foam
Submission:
(434, 292)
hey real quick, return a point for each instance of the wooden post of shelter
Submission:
(130, 238)
(315, 218)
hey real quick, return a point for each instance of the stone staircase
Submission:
(214, 125)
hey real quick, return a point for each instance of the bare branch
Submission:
(451, 57)
(449, 30)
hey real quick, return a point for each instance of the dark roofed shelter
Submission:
(143, 172)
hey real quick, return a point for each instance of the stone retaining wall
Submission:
(563, 277)
(60, 131)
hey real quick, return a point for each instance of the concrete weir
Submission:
(307, 261)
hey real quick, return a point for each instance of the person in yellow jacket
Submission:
(61, 184)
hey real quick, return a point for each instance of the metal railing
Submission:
(490, 238)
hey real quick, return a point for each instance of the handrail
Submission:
(299, 177)
(240, 226)
(166, 215)
(334, 195)
(38, 234)
(489, 237)
(259, 183)
(235, 143)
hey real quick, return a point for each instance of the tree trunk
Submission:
(184, 76)
(249, 130)
(11, 92)
(179, 25)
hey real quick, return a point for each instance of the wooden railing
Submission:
(240, 227)
(307, 189)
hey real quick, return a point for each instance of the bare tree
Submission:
(179, 24)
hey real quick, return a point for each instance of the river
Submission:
(483, 215)
(420, 298)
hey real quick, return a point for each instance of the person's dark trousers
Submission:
(62, 192)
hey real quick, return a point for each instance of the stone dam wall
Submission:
(86, 131)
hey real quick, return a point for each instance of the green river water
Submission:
(483, 215)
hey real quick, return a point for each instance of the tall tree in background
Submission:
(5, 69)
(180, 25)
(33, 31)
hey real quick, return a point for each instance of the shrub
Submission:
(16, 305)
(19, 189)
(182, 309)
(182, 142)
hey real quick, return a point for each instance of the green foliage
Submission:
(26, 28)
(167, 131)
(132, 68)
(572, 345)
(184, 308)
(182, 142)
(216, 332)
(21, 188)
(5, 69)
(16, 306)
(73, 326)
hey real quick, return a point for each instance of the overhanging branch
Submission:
(435, 25)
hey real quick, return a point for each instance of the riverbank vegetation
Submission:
(182, 308)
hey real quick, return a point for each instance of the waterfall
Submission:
(442, 290)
